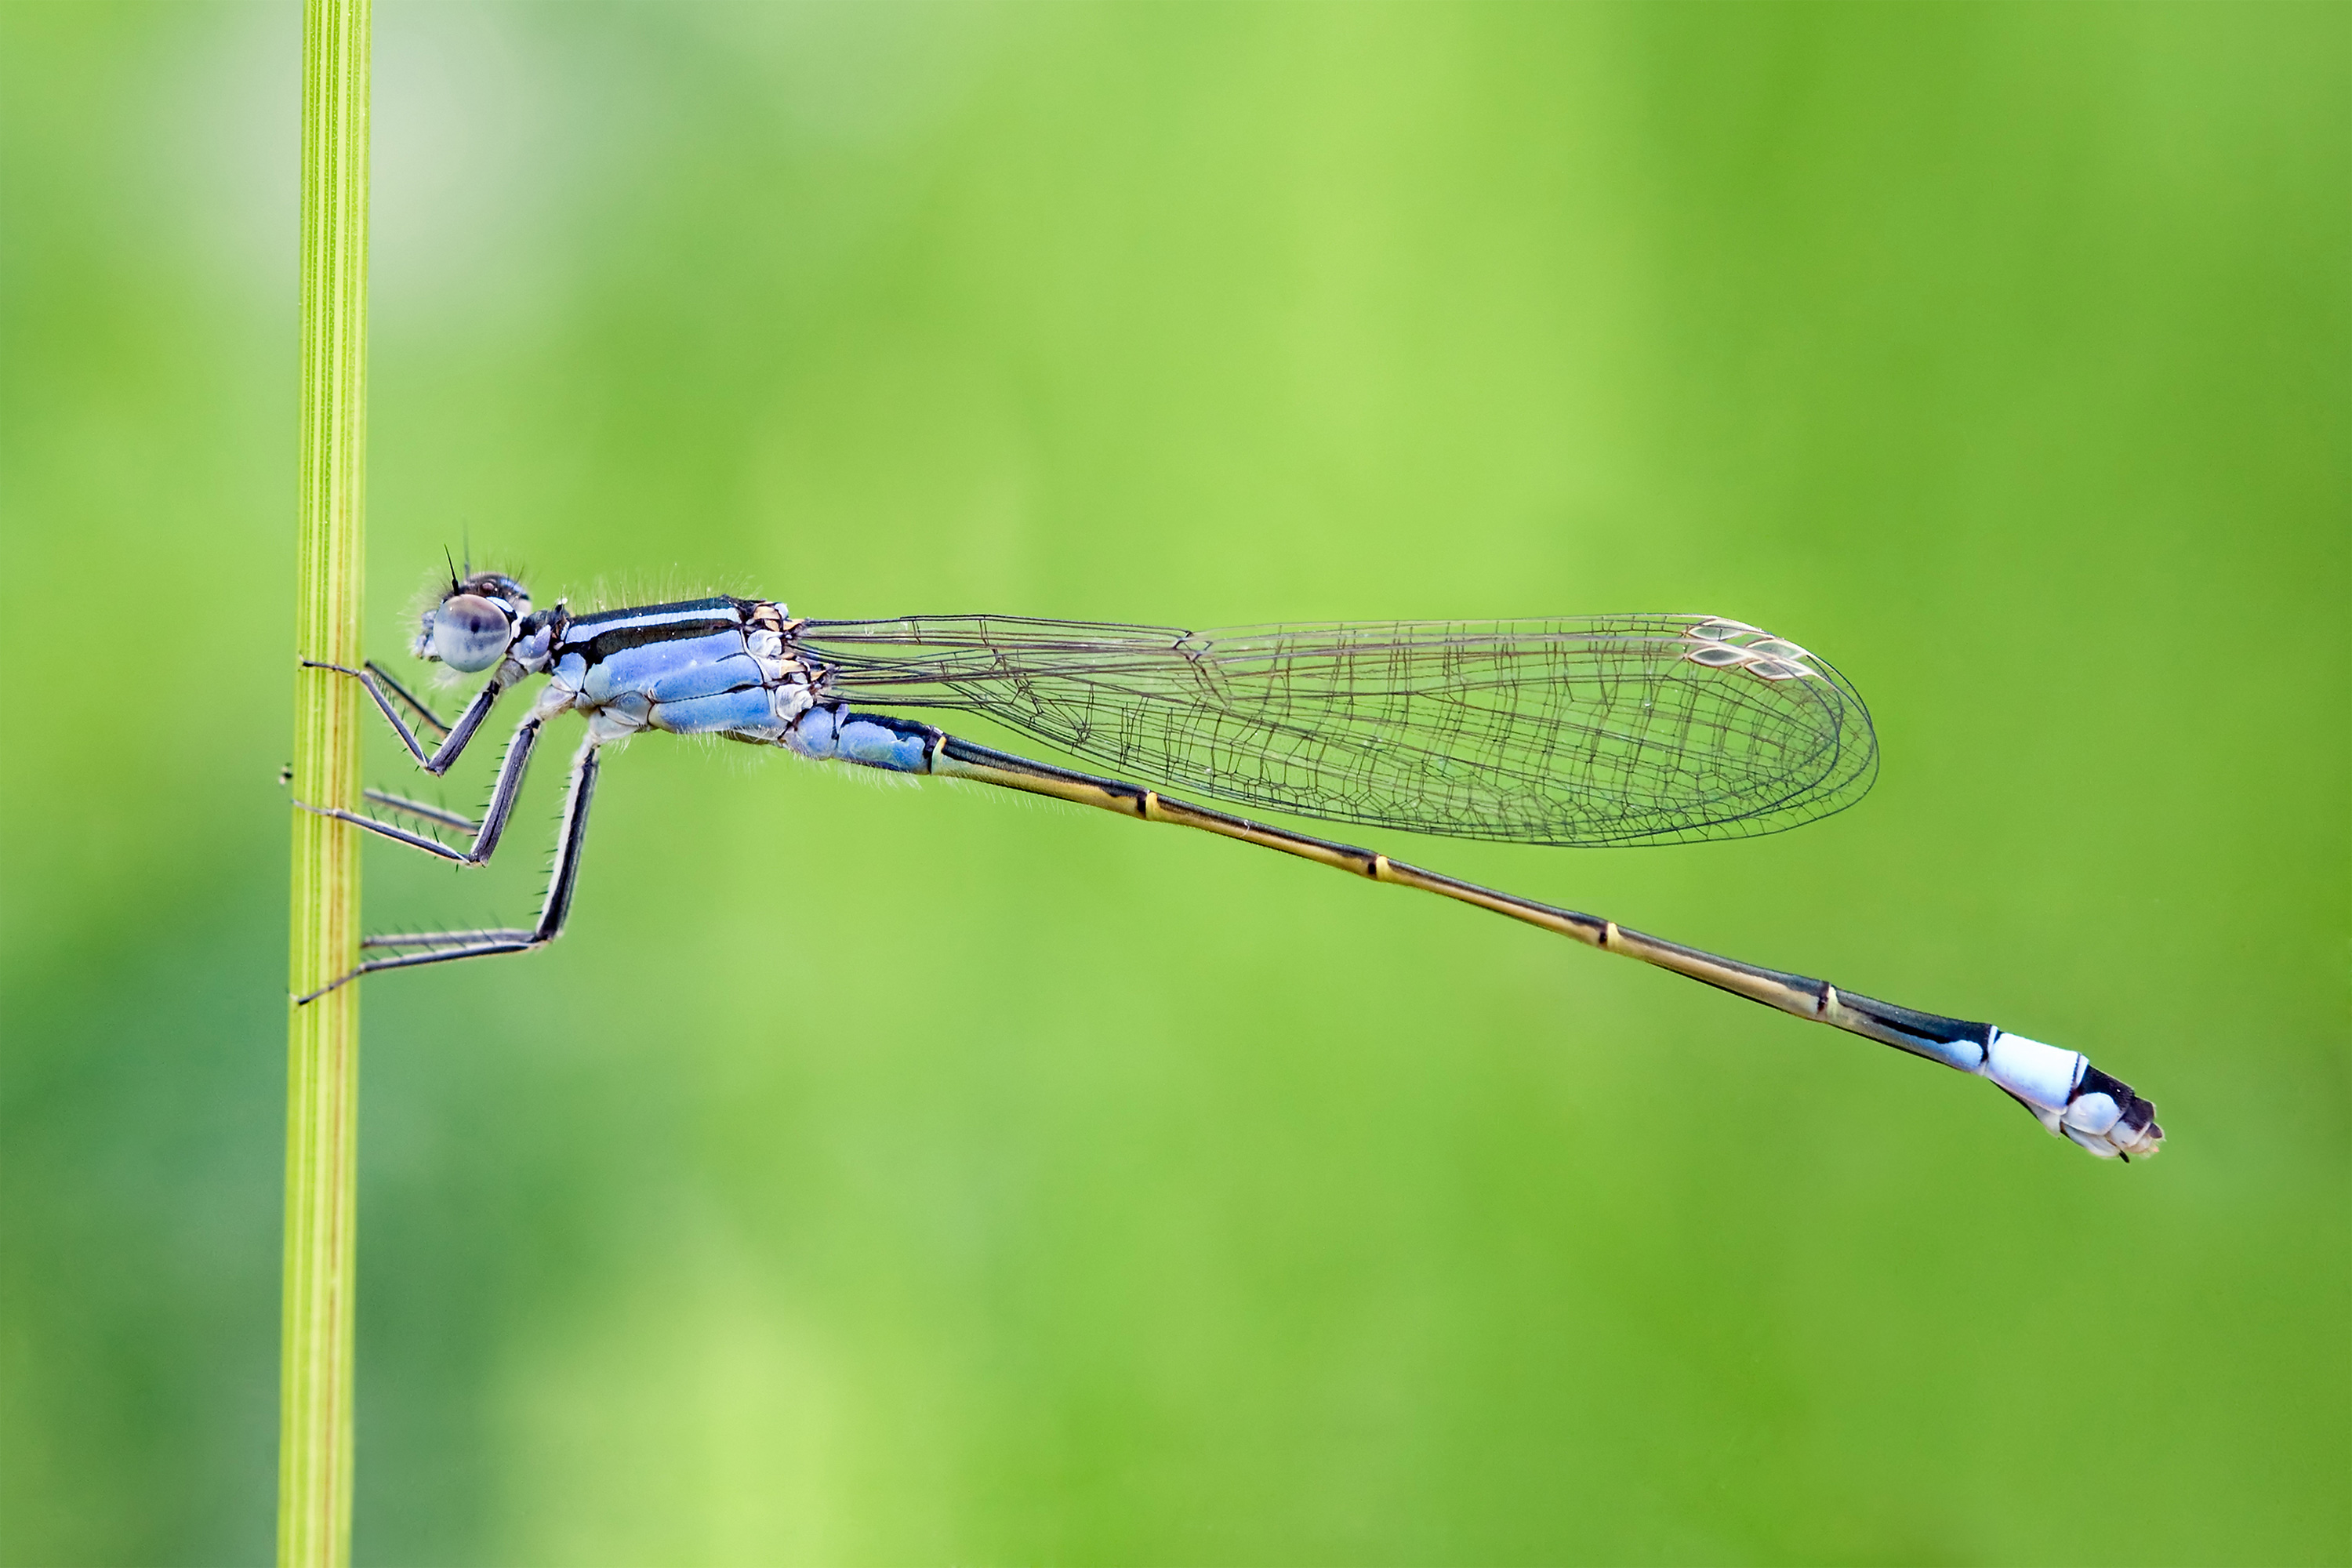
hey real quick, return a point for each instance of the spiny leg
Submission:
(416, 704)
(449, 946)
(417, 808)
(442, 758)
(487, 833)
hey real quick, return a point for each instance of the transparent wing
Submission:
(1600, 730)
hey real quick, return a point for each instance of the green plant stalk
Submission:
(314, 1454)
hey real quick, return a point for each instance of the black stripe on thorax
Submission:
(599, 637)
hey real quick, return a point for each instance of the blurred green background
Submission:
(899, 1175)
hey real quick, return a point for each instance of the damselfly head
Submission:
(474, 622)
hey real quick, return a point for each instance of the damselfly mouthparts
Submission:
(1599, 730)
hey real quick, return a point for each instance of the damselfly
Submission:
(1611, 730)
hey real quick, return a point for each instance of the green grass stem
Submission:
(314, 1463)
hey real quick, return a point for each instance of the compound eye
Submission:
(469, 633)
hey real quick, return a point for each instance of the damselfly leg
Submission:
(383, 688)
(487, 832)
(407, 699)
(414, 949)
(423, 810)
